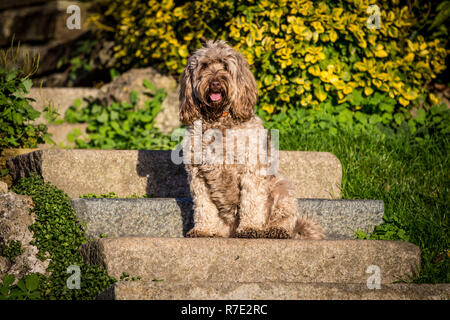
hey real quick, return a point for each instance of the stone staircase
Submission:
(172, 217)
(145, 236)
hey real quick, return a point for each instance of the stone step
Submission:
(59, 99)
(206, 290)
(126, 172)
(59, 134)
(253, 260)
(172, 217)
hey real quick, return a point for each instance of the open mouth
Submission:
(215, 96)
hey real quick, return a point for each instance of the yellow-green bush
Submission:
(303, 53)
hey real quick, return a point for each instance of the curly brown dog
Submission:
(218, 95)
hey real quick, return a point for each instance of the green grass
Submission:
(410, 175)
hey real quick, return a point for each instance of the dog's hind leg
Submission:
(282, 218)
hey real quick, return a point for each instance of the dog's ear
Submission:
(247, 93)
(188, 111)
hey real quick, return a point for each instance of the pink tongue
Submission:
(215, 96)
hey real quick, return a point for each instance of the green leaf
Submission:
(21, 285)
(374, 119)
(77, 103)
(27, 83)
(32, 282)
(345, 116)
(356, 98)
(149, 85)
(103, 117)
(75, 62)
(113, 73)
(11, 74)
(398, 117)
(420, 115)
(17, 118)
(4, 172)
(386, 107)
(115, 126)
(443, 13)
(134, 97)
(7, 279)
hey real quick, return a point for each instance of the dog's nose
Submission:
(215, 85)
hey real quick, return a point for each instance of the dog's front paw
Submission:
(277, 233)
(248, 233)
(194, 233)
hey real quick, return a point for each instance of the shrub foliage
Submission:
(304, 54)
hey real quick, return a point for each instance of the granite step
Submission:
(60, 134)
(58, 99)
(253, 260)
(206, 290)
(173, 217)
(126, 172)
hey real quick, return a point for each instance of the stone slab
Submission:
(173, 217)
(6, 154)
(15, 220)
(40, 22)
(60, 132)
(59, 99)
(3, 187)
(150, 290)
(128, 172)
(253, 260)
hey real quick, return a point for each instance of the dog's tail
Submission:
(307, 229)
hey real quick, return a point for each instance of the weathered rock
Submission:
(15, 218)
(59, 134)
(120, 88)
(168, 217)
(8, 154)
(40, 22)
(313, 174)
(128, 172)
(169, 119)
(3, 187)
(163, 290)
(254, 260)
(59, 99)
(9, 4)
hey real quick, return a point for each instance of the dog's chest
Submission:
(228, 143)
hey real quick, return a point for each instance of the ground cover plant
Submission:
(58, 236)
(121, 125)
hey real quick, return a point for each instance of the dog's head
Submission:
(217, 79)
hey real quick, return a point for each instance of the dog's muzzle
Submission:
(215, 94)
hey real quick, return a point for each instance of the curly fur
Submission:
(233, 200)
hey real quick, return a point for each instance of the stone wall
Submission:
(40, 27)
